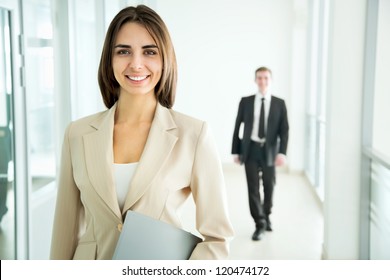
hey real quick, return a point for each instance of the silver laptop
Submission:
(144, 238)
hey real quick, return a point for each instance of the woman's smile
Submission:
(137, 80)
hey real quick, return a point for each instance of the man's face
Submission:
(263, 80)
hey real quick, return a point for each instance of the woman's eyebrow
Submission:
(123, 46)
(150, 47)
(129, 47)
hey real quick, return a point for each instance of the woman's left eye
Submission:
(150, 52)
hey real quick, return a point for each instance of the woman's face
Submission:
(136, 62)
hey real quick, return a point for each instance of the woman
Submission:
(139, 154)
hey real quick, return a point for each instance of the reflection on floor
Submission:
(297, 220)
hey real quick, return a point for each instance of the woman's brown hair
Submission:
(166, 88)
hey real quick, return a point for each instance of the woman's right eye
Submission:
(123, 52)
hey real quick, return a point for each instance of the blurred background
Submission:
(330, 61)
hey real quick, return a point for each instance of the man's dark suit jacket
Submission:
(276, 134)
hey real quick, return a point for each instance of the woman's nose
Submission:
(136, 62)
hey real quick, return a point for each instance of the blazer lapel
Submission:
(251, 112)
(160, 142)
(99, 157)
(270, 121)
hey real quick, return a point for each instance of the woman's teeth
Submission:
(137, 78)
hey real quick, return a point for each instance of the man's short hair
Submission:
(263, 69)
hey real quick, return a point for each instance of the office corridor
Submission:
(323, 54)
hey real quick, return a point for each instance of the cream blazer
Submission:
(179, 158)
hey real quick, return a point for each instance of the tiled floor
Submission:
(297, 220)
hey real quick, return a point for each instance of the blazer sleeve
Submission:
(68, 206)
(236, 146)
(208, 190)
(283, 130)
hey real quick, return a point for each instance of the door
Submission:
(40, 110)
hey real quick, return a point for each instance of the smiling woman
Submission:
(138, 155)
(152, 44)
(136, 63)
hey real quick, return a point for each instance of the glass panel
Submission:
(39, 91)
(7, 209)
(380, 212)
(321, 160)
(311, 149)
(41, 123)
(316, 96)
(323, 59)
(381, 131)
(313, 73)
(86, 98)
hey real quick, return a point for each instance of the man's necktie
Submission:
(262, 120)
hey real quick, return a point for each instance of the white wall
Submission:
(218, 45)
(343, 135)
(381, 131)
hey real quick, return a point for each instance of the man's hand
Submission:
(280, 160)
(236, 159)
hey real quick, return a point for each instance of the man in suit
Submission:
(263, 146)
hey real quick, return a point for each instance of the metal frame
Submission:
(367, 123)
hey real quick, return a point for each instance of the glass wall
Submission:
(41, 122)
(316, 95)
(56, 51)
(380, 162)
(7, 208)
(40, 90)
(380, 211)
(375, 188)
(381, 117)
(86, 41)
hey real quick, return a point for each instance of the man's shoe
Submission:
(258, 234)
(269, 225)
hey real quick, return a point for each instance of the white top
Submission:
(256, 115)
(123, 175)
